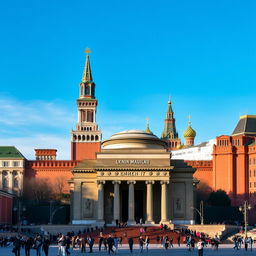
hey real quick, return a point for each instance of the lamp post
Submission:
(244, 209)
(200, 212)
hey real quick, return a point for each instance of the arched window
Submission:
(83, 138)
(87, 90)
(92, 137)
(16, 183)
(79, 137)
(96, 137)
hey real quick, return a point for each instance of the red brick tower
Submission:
(170, 134)
(86, 139)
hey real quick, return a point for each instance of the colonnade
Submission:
(131, 201)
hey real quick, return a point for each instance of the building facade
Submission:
(132, 178)
(12, 169)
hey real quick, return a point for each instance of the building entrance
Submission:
(139, 205)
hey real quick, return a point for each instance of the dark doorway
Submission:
(139, 203)
(124, 205)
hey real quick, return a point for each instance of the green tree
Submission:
(219, 198)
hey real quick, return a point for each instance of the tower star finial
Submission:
(87, 51)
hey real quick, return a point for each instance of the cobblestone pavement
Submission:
(153, 250)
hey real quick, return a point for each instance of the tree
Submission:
(59, 185)
(219, 198)
(203, 192)
(37, 189)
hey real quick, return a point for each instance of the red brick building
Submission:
(6, 203)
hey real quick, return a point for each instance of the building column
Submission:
(77, 201)
(131, 203)
(101, 200)
(164, 201)
(116, 200)
(149, 209)
(20, 181)
(10, 182)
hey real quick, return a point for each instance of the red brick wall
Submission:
(87, 150)
(5, 209)
(54, 171)
(203, 171)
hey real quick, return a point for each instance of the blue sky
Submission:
(201, 53)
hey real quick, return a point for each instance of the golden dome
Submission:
(189, 132)
(180, 146)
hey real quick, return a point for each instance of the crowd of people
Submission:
(86, 242)
(239, 241)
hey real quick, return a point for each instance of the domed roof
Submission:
(189, 132)
(133, 139)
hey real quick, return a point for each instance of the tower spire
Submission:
(87, 75)
(170, 134)
(87, 86)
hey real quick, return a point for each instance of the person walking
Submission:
(235, 243)
(100, 242)
(171, 242)
(121, 241)
(130, 242)
(91, 243)
(105, 244)
(38, 245)
(46, 244)
(250, 242)
(110, 242)
(16, 246)
(62, 242)
(200, 247)
(141, 243)
(68, 243)
(83, 244)
(166, 242)
(178, 240)
(116, 241)
(27, 245)
(246, 243)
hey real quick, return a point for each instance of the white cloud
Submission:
(26, 145)
(20, 113)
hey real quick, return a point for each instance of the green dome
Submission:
(189, 132)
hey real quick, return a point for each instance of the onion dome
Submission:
(189, 132)
(180, 146)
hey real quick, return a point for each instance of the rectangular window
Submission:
(5, 163)
(255, 184)
(15, 163)
(250, 184)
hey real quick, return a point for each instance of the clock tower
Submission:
(86, 139)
